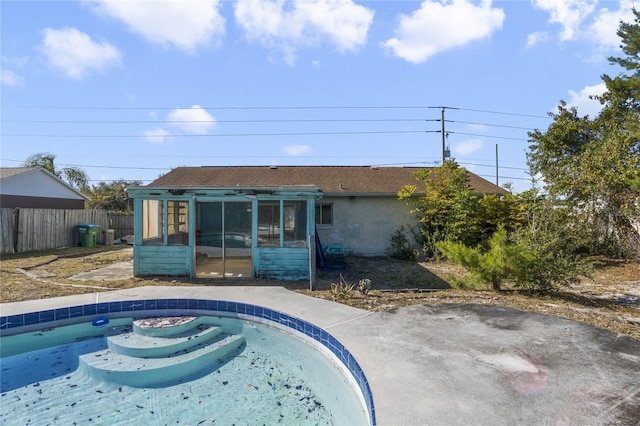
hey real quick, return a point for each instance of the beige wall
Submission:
(364, 225)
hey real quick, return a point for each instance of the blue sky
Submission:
(130, 89)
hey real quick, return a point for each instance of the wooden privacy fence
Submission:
(26, 230)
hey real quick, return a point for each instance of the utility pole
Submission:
(444, 133)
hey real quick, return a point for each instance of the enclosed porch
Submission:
(263, 232)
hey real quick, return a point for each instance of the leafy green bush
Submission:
(400, 248)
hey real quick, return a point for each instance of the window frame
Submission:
(282, 241)
(167, 232)
(318, 216)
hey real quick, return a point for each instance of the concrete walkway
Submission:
(453, 364)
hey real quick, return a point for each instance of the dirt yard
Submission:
(610, 299)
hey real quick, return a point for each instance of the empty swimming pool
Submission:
(229, 363)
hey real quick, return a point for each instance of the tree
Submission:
(445, 210)
(112, 196)
(450, 209)
(591, 167)
(554, 248)
(624, 89)
(74, 176)
(502, 261)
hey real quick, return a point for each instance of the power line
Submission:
(491, 125)
(493, 165)
(87, 107)
(227, 134)
(504, 113)
(489, 136)
(289, 107)
(313, 120)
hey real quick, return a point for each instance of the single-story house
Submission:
(35, 187)
(266, 221)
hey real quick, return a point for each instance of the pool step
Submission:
(164, 327)
(164, 355)
(134, 344)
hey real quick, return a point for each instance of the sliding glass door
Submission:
(223, 240)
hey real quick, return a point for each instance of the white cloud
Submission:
(582, 101)
(467, 147)
(156, 135)
(296, 150)
(195, 120)
(184, 24)
(285, 26)
(477, 127)
(537, 37)
(76, 53)
(568, 13)
(10, 78)
(441, 25)
(603, 30)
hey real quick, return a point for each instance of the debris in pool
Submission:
(225, 383)
(162, 322)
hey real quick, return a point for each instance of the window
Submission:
(177, 225)
(295, 223)
(324, 214)
(282, 223)
(165, 217)
(152, 223)
(269, 223)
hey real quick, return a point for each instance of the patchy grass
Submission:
(610, 299)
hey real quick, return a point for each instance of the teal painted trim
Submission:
(311, 218)
(281, 223)
(192, 237)
(165, 222)
(137, 235)
(255, 253)
(210, 198)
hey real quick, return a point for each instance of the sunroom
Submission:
(233, 232)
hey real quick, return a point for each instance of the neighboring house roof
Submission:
(36, 182)
(332, 180)
(10, 171)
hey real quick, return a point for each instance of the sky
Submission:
(131, 89)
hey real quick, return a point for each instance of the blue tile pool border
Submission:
(182, 307)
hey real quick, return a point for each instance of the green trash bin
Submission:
(87, 235)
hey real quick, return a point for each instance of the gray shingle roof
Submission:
(331, 179)
(12, 171)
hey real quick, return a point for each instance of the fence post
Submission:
(15, 218)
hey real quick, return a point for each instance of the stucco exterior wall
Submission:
(364, 225)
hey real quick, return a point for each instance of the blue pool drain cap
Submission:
(99, 322)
